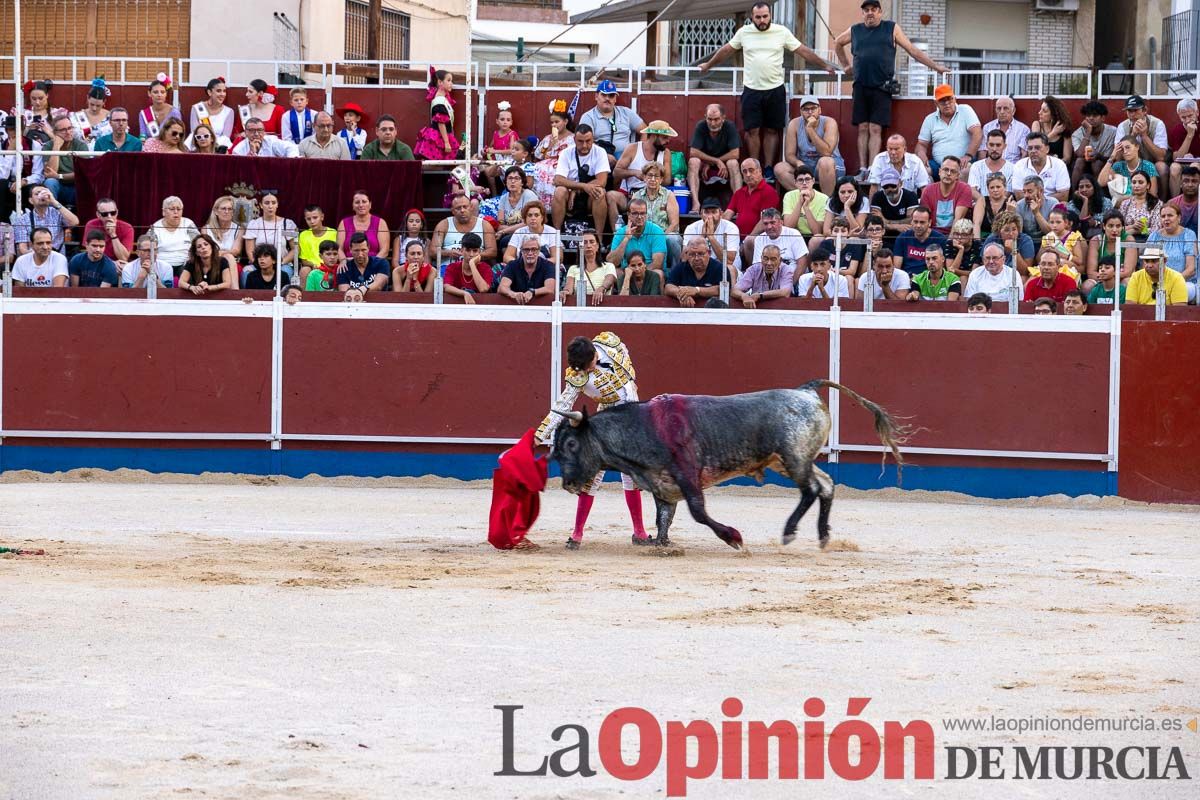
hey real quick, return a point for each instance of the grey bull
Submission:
(675, 446)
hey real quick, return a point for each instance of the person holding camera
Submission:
(873, 45)
(580, 180)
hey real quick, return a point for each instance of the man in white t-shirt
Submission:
(993, 162)
(994, 278)
(887, 282)
(821, 282)
(1056, 178)
(792, 249)
(722, 236)
(42, 266)
(580, 180)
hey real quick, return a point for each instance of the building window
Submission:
(394, 33)
(95, 35)
(994, 62)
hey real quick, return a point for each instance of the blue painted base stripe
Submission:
(977, 481)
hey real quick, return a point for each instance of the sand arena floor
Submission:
(225, 637)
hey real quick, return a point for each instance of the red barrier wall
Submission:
(414, 377)
(91, 372)
(1034, 391)
(981, 390)
(716, 359)
(1160, 411)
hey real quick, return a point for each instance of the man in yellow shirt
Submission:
(1144, 283)
(764, 99)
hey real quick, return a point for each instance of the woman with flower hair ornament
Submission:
(548, 150)
(152, 117)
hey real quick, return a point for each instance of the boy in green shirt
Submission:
(1108, 289)
(324, 277)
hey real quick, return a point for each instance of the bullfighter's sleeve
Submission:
(576, 380)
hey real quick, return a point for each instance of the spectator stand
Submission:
(531, 87)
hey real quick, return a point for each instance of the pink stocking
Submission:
(633, 499)
(581, 514)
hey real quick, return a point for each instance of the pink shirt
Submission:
(372, 233)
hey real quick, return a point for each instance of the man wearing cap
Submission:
(894, 203)
(811, 140)
(714, 153)
(614, 127)
(873, 45)
(627, 174)
(1148, 131)
(952, 130)
(914, 173)
(721, 235)
(1143, 283)
(764, 99)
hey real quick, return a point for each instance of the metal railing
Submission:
(1179, 41)
(1017, 83)
(81, 70)
(1160, 84)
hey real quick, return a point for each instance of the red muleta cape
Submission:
(516, 485)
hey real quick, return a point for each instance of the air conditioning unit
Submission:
(1056, 5)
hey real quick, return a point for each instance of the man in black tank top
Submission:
(873, 44)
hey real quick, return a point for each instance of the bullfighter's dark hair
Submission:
(580, 353)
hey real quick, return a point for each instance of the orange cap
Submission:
(942, 92)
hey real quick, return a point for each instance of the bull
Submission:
(675, 446)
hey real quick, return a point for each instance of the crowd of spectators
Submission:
(1052, 207)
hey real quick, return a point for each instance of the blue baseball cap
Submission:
(606, 87)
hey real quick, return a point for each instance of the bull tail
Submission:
(891, 433)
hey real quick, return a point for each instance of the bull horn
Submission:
(576, 417)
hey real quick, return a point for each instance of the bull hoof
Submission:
(823, 541)
(572, 544)
(788, 538)
(643, 541)
(734, 539)
(662, 541)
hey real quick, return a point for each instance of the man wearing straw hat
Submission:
(627, 174)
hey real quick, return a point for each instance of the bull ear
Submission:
(577, 417)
